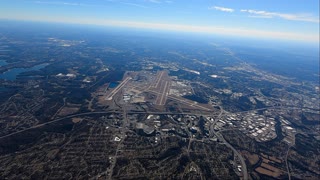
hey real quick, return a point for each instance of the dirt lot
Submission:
(252, 158)
(76, 120)
(68, 110)
(269, 170)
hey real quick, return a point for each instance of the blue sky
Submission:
(277, 19)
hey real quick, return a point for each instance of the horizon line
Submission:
(239, 32)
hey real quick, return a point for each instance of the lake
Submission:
(3, 62)
(13, 73)
(113, 85)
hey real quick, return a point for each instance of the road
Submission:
(50, 122)
(221, 138)
(125, 124)
(236, 153)
(92, 113)
(217, 134)
(287, 165)
(272, 107)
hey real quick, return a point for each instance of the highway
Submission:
(125, 125)
(108, 112)
(287, 165)
(272, 107)
(92, 113)
(235, 152)
(50, 122)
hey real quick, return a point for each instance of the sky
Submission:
(268, 19)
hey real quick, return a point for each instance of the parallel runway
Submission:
(162, 87)
(159, 87)
(117, 89)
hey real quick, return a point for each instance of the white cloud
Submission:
(291, 17)
(260, 16)
(159, 1)
(133, 4)
(154, 1)
(224, 9)
(59, 3)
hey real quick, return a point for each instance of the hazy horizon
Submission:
(285, 20)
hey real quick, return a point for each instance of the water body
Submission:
(3, 62)
(196, 98)
(113, 85)
(3, 89)
(13, 73)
